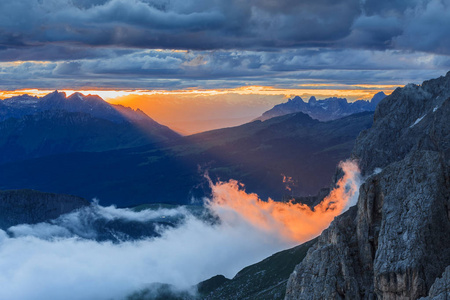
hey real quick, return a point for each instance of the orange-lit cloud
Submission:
(293, 222)
(288, 181)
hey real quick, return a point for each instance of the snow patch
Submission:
(417, 121)
(377, 171)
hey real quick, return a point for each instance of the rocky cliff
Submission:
(395, 244)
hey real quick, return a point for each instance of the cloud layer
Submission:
(226, 24)
(144, 69)
(108, 43)
(64, 259)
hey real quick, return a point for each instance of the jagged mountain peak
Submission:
(323, 110)
(378, 96)
(77, 96)
(34, 127)
(399, 121)
(93, 105)
(296, 99)
(54, 94)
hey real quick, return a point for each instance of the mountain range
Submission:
(323, 110)
(258, 154)
(35, 127)
(394, 244)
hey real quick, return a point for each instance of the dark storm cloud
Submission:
(225, 24)
(231, 42)
(428, 28)
(50, 52)
(416, 25)
(215, 24)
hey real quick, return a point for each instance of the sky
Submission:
(125, 46)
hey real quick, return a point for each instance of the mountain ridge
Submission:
(33, 127)
(323, 110)
(256, 154)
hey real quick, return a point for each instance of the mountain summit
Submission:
(323, 110)
(33, 127)
(95, 106)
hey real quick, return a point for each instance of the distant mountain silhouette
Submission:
(323, 110)
(34, 127)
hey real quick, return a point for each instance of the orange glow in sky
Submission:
(351, 92)
(294, 222)
(195, 110)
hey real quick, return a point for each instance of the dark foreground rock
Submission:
(395, 244)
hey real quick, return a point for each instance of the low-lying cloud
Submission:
(62, 260)
(289, 221)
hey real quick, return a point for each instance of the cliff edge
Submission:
(395, 244)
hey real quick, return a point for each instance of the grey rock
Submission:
(396, 242)
(440, 290)
(411, 118)
(328, 270)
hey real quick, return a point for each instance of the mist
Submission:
(65, 259)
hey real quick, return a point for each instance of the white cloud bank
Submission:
(49, 261)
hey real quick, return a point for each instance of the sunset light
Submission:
(351, 92)
(225, 149)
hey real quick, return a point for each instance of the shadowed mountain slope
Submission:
(34, 127)
(258, 154)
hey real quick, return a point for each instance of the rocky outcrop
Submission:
(29, 206)
(411, 118)
(440, 290)
(396, 242)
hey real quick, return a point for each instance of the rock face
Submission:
(411, 118)
(440, 290)
(395, 244)
(323, 110)
(29, 206)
